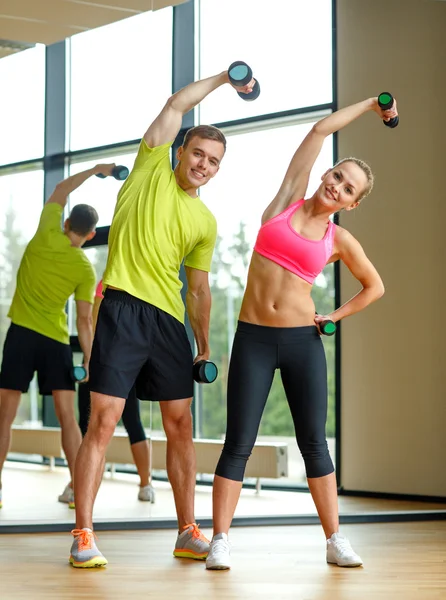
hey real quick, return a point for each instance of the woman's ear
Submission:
(325, 174)
(354, 205)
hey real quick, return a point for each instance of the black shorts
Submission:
(137, 343)
(26, 351)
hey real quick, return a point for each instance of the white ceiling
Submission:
(24, 23)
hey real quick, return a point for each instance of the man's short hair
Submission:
(205, 132)
(83, 219)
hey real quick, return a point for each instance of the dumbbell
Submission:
(327, 327)
(240, 74)
(205, 371)
(119, 172)
(385, 101)
(79, 373)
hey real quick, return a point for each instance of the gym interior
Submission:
(81, 81)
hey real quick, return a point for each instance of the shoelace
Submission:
(343, 546)
(220, 547)
(196, 533)
(84, 538)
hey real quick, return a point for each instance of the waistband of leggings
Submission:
(275, 335)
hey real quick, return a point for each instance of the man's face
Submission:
(200, 161)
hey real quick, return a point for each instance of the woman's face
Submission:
(342, 186)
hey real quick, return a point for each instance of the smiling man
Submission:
(140, 337)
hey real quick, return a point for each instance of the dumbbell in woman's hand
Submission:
(240, 74)
(205, 371)
(119, 172)
(326, 326)
(386, 102)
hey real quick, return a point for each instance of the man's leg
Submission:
(181, 461)
(105, 413)
(9, 402)
(71, 434)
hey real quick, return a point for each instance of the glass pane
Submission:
(121, 76)
(21, 202)
(238, 200)
(97, 255)
(22, 105)
(292, 61)
(99, 193)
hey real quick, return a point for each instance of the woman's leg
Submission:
(304, 376)
(250, 377)
(131, 418)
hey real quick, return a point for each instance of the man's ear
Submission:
(180, 152)
(66, 225)
(91, 235)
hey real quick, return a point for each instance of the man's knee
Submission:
(178, 424)
(104, 416)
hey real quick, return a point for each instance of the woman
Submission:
(131, 419)
(278, 328)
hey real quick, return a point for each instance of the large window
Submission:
(21, 202)
(22, 100)
(238, 196)
(121, 76)
(100, 193)
(288, 46)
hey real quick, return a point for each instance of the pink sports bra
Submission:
(278, 241)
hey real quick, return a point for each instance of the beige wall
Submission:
(394, 354)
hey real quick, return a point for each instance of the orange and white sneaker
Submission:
(191, 543)
(84, 552)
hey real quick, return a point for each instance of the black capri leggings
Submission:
(131, 416)
(256, 353)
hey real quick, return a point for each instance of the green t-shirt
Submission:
(155, 226)
(50, 271)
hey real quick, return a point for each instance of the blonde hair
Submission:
(367, 170)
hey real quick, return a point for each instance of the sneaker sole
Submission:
(351, 565)
(189, 554)
(97, 561)
(71, 505)
(218, 568)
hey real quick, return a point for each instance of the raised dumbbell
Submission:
(79, 373)
(240, 74)
(385, 101)
(119, 172)
(205, 371)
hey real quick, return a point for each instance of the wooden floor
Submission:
(30, 496)
(402, 561)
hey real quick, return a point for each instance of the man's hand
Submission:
(203, 356)
(104, 169)
(87, 371)
(244, 89)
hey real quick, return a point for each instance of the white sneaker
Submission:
(219, 556)
(67, 497)
(146, 494)
(340, 552)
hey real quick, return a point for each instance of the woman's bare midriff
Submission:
(275, 297)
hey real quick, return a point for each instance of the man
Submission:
(53, 267)
(140, 337)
